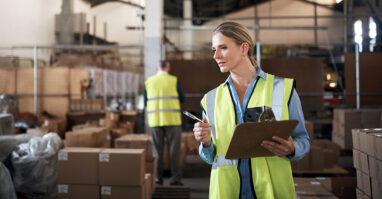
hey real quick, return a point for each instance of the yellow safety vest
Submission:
(271, 176)
(163, 106)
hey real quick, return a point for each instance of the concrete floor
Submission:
(196, 176)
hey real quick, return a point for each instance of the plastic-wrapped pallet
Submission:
(9, 142)
(7, 191)
(34, 164)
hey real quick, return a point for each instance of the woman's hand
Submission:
(279, 146)
(202, 132)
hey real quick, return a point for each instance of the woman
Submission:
(246, 93)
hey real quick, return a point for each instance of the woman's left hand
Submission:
(279, 146)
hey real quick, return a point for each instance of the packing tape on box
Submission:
(62, 155)
(106, 190)
(63, 188)
(104, 157)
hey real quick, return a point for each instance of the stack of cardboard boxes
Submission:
(103, 173)
(325, 188)
(323, 153)
(367, 157)
(344, 120)
(140, 141)
(313, 188)
(116, 127)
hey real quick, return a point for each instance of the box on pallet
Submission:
(88, 137)
(119, 192)
(75, 191)
(122, 167)
(151, 167)
(135, 141)
(78, 166)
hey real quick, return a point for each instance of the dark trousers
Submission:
(172, 135)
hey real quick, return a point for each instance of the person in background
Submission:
(162, 97)
(247, 93)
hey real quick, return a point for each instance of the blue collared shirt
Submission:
(300, 137)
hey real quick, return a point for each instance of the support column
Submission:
(153, 36)
(188, 36)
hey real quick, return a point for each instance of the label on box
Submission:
(104, 157)
(106, 190)
(63, 188)
(62, 155)
(112, 116)
(320, 178)
(315, 183)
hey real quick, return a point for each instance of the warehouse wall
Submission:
(286, 8)
(28, 23)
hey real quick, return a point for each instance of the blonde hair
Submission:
(240, 34)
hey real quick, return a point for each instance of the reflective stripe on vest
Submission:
(220, 161)
(162, 98)
(211, 111)
(267, 172)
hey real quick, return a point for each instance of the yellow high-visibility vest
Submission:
(271, 176)
(163, 106)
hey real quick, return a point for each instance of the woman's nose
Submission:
(216, 54)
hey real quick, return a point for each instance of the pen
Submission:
(192, 116)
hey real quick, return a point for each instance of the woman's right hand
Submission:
(202, 132)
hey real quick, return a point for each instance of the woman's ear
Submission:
(245, 48)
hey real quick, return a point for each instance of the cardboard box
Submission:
(371, 118)
(363, 162)
(344, 186)
(88, 137)
(135, 141)
(356, 138)
(122, 167)
(107, 123)
(6, 124)
(363, 182)
(317, 158)
(112, 116)
(7, 81)
(374, 143)
(151, 167)
(356, 159)
(302, 164)
(78, 166)
(129, 126)
(116, 133)
(148, 188)
(376, 188)
(123, 192)
(375, 167)
(66, 191)
(36, 132)
(57, 125)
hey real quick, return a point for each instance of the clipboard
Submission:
(247, 137)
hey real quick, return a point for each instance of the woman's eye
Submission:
(224, 48)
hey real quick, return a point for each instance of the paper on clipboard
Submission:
(247, 137)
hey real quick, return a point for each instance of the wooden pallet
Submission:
(178, 192)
